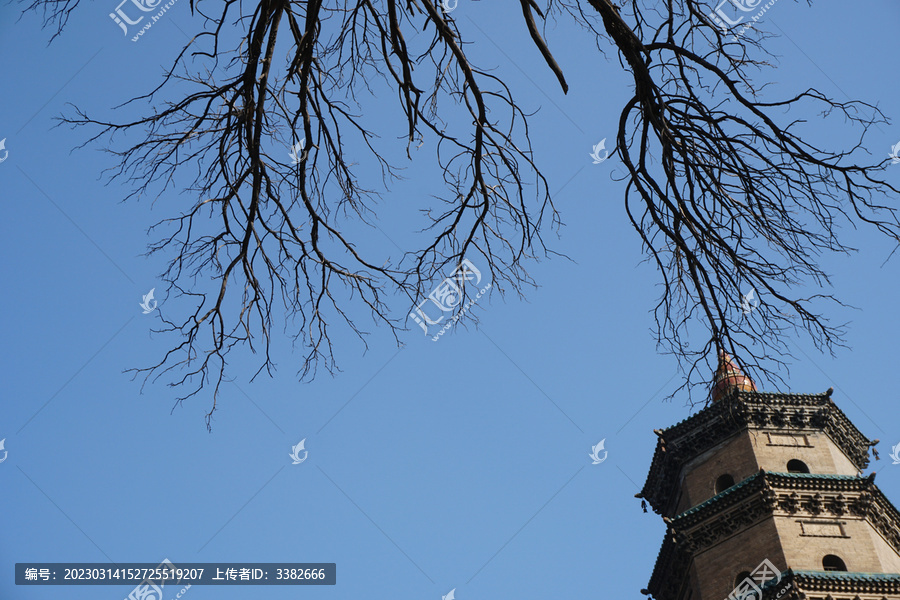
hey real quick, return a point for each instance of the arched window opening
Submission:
(724, 482)
(797, 466)
(833, 563)
(740, 578)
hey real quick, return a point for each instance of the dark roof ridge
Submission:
(736, 412)
(823, 398)
(770, 477)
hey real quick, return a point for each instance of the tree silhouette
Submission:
(722, 189)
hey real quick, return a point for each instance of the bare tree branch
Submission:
(721, 187)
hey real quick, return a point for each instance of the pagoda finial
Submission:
(728, 377)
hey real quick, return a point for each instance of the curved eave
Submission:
(666, 580)
(842, 582)
(749, 486)
(727, 417)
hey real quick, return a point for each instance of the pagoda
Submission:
(764, 499)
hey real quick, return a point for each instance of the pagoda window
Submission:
(724, 482)
(797, 466)
(740, 578)
(833, 563)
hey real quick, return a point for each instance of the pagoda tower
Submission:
(764, 499)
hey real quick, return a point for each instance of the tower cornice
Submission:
(736, 412)
(822, 585)
(811, 498)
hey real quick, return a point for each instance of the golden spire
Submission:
(728, 377)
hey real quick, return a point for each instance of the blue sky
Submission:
(458, 464)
